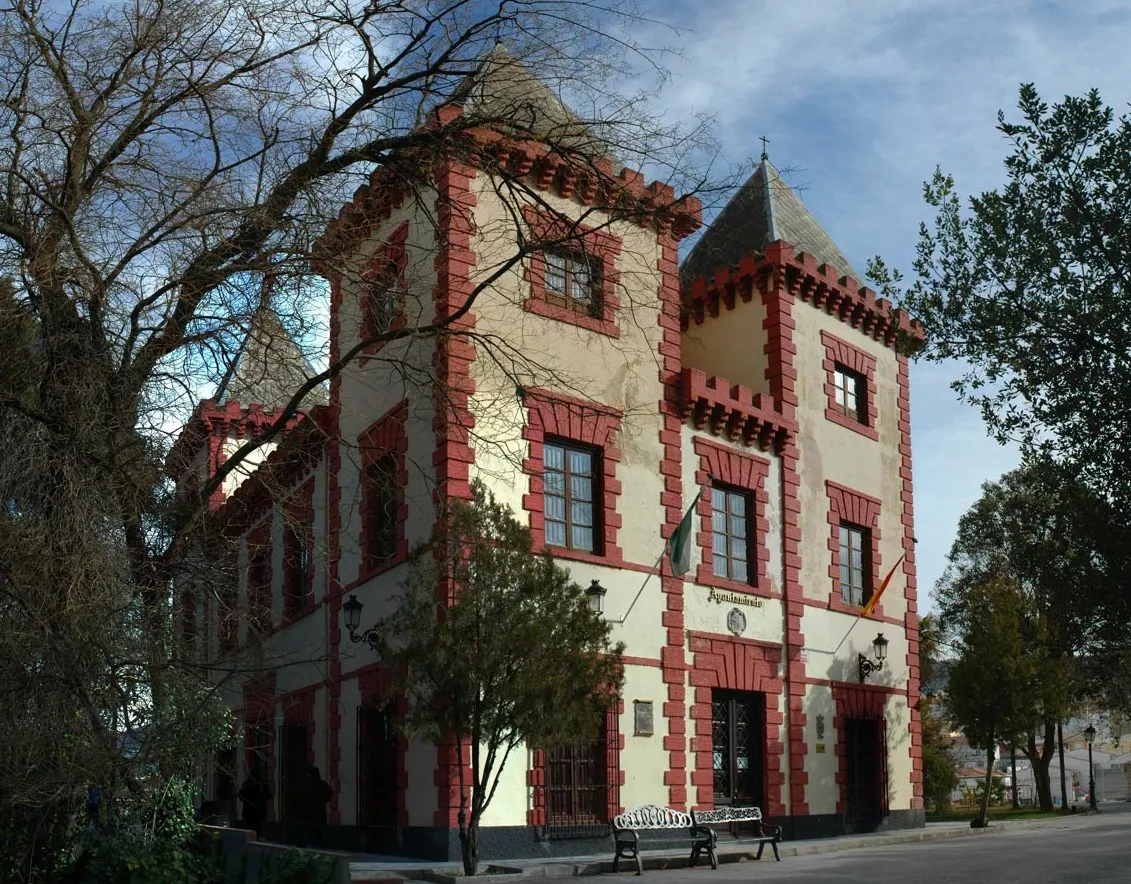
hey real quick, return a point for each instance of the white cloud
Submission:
(862, 100)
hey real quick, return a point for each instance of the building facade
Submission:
(596, 386)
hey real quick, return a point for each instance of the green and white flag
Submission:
(679, 547)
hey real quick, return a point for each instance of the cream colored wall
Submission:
(822, 790)
(731, 345)
(644, 759)
(830, 451)
(621, 373)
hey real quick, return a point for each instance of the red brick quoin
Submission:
(600, 245)
(578, 420)
(851, 506)
(739, 665)
(840, 352)
(744, 472)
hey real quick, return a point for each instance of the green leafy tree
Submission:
(992, 676)
(1027, 285)
(938, 763)
(1066, 549)
(495, 647)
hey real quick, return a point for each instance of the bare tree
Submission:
(167, 169)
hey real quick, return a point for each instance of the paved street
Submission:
(1091, 849)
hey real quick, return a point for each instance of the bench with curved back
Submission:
(702, 831)
(695, 826)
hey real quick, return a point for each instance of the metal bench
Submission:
(705, 838)
(651, 817)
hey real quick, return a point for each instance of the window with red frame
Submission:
(850, 394)
(572, 280)
(384, 299)
(731, 516)
(381, 482)
(298, 568)
(228, 622)
(569, 483)
(259, 587)
(855, 564)
(577, 780)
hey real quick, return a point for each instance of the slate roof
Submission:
(763, 210)
(268, 368)
(504, 94)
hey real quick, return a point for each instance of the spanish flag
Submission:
(879, 591)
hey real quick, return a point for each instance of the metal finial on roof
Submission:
(765, 153)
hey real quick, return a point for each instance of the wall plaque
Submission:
(736, 621)
(642, 718)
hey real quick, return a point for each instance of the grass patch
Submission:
(996, 814)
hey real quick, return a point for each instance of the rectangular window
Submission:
(383, 300)
(298, 562)
(577, 780)
(571, 281)
(730, 520)
(849, 393)
(568, 477)
(259, 588)
(855, 564)
(381, 484)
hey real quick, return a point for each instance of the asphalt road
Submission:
(1089, 849)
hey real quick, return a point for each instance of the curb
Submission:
(659, 862)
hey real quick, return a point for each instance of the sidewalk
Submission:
(375, 869)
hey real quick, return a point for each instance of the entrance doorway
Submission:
(376, 765)
(293, 740)
(865, 773)
(738, 733)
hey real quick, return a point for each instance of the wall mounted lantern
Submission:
(595, 595)
(351, 608)
(880, 652)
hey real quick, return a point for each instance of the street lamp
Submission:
(351, 607)
(880, 652)
(1089, 737)
(595, 595)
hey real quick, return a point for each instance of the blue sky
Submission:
(861, 99)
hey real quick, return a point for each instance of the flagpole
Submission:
(664, 552)
(647, 577)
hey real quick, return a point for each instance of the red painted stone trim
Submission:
(333, 560)
(910, 592)
(797, 272)
(747, 473)
(390, 252)
(452, 420)
(848, 505)
(374, 685)
(673, 653)
(738, 665)
(781, 375)
(537, 813)
(839, 352)
(556, 414)
(384, 436)
(599, 244)
(855, 701)
(734, 411)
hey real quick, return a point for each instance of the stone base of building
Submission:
(529, 842)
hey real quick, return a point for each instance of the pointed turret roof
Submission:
(504, 93)
(268, 368)
(765, 209)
